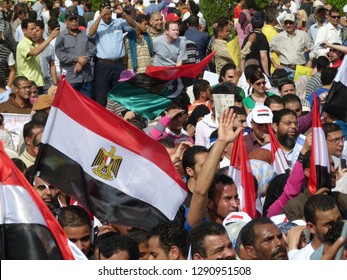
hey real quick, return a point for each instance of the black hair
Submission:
(285, 81)
(199, 233)
(273, 99)
(219, 178)
(141, 18)
(200, 85)
(225, 68)
(193, 21)
(319, 202)
(248, 236)
(171, 234)
(328, 75)
(322, 63)
(74, 216)
(330, 127)
(110, 243)
(40, 24)
(278, 115)
(188, 158)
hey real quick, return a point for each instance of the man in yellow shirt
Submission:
(270, 32)
(28, 59)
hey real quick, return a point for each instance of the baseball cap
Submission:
(317, 3)
(345, 9)
(42, 102)
(289, 17)
(261, 114)
(173, 17)
(257, 20)
(236, 217)
(70, 15)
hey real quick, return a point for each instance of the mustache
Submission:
(279, 250)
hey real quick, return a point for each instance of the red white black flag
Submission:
(109, 166)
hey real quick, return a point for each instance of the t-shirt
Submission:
(167, 54)
(260, 44)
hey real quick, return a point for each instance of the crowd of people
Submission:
(97, 50)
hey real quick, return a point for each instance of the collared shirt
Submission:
(222, 55)
(108, 35)
(154, 8)
(291, 48)
(312, 32)
(251, 142)
(28, 66)
(327, 33)
(68, 48)
(154, 33)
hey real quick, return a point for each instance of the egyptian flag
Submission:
(279, 161)
(106, 164)
(241, 172)
(335, 103)
(29, 231)
(319, 162)
(149, 94)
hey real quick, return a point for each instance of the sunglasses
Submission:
(336, 17)
(288, 22)
(260, 83)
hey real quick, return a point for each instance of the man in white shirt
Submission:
(330, 33)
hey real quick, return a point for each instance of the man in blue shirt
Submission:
(110, 49)
(152, 7)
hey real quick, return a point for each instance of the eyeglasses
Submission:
(27, 87)
(335, 17)
(337, 140)
(288, 22)
(289, 123)
(260, 83)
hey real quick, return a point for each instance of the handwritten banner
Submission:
(302, 71)
(14, 123)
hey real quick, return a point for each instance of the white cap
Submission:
(345, 8)
(289, 17)
(260, 114)
(317, 3)
(236, 217)
(281, 218)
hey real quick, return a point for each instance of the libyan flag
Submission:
(149, 94)
(106, 164)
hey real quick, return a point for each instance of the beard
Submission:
(287, 141)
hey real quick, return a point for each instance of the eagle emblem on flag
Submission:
(107, 164)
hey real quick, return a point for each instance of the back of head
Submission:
(328, 75)
(274, 191)
(193, 21)
(322, 63)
